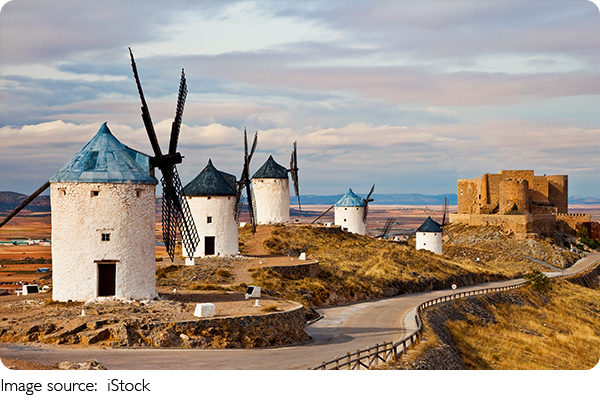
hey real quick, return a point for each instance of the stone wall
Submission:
(568, 222)
(271, 201)
(274, 329)
(94, 223)
(296, 271)
(222, 226)
(517, 224)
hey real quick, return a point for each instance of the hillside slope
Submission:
(355, 267)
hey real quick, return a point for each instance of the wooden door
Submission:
(209, 245)
(107, 278)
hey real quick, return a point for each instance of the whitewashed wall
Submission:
(223, 226)
(272, 200)
(431, 241)
(79, 219)
(351, 218)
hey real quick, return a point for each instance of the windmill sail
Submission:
(25, 203)
(367, 201)
(176, 215)
(244, 182)
(294, 174)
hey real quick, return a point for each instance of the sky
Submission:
(409, 96)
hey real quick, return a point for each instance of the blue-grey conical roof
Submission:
(350, 200)
(429, 226)
(211, 182)
(106, 160)
(271, 170)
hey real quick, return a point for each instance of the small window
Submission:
(461, 192)
(138, 192)
(62, 192)
(209, 220)
(344, 219)
(208, 197)
(95, 193)
(345, 208)
(106, 237)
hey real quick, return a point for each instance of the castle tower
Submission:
(429, 236)
(271, 191)
(103, 207)
(211, 198)
(349, 213)
(514, 191)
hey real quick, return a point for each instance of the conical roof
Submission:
(211, 182)
(429, 226)
(271, 170)
(350, 200)
(106, 160)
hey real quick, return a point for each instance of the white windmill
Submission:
(212, 199)
(351, 212)
(429, 236)
(271, 190)
(103, 214)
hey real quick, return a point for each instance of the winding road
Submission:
(342, 329)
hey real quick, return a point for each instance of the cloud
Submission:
(336, 158)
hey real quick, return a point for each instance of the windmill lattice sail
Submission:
(176, 215)
(244, 182)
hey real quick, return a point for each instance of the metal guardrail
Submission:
(388, 351)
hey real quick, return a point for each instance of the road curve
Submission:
(342, 329)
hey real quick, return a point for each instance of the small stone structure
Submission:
(309, 270)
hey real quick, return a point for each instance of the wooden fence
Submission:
(388, 351)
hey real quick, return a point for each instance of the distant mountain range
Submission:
(381, 199)
(10, 200)
(583, 200)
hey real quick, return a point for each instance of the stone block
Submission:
(204, 310)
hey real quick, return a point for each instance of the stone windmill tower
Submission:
(351, 212)
(212, 200)
(271, 191)
(103, 225)
(429, 236)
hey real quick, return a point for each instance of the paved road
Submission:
(342, 329)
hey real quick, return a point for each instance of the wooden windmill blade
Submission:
(25, 202)
(445, 211)
(244, 182)
(176, 215)
(176, 126)
(320, 216)
(249, 196)
(367, 201)
(145, 111)
(294, 174)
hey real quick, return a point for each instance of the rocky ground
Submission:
(37, 318)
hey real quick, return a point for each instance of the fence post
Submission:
(404, 347)
(349, 361)
(323, 365)
(337, 363)
(357, 359)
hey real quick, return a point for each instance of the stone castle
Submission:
(518, 202)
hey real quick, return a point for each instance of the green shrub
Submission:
(538, 281)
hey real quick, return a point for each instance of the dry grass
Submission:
(355, 267)
(562, 333)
